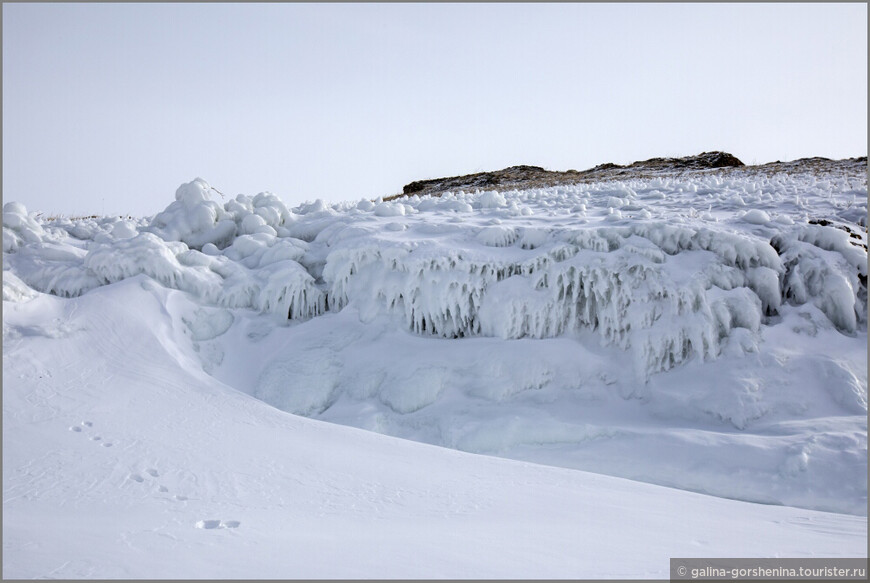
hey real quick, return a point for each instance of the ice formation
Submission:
(526, 323)
(618, 259)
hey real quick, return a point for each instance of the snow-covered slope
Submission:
(703, 332)
(123, 459)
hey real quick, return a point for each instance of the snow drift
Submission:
(122, 459)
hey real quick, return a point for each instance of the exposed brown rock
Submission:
(517, 177)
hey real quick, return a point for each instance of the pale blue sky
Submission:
(107, 108)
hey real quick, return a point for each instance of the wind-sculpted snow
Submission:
(717, 286)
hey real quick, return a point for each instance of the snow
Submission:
(756, 217)
(687, 350)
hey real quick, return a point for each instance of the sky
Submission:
(108, 108)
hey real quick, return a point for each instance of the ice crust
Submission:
(609, 258)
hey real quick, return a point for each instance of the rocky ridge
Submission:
(517, 177)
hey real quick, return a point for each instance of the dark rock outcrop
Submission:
(537, 177)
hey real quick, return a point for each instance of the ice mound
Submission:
(195, 219)
(18, 227)
(230, 256)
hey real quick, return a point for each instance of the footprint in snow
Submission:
(139, 478)
(78, 429)
(154, 474)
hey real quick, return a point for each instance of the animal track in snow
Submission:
(78, 428)
(150, 472)
(153, 473)
(88, 424)
(145, 476)
(211, 524)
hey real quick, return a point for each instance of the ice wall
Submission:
(664, 293)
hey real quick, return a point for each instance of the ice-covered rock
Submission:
(18, 227)
(756, 217)
(194, 218)
(389, 209)
(492, 199)
(15, 290)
